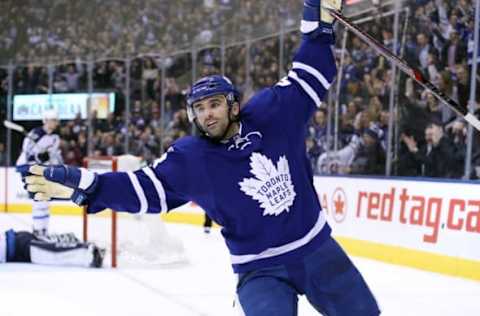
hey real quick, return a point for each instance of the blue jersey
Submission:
(258, 185)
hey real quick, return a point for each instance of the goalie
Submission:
(248, 170)
(59, 250)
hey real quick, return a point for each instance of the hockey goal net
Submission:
(131, 240)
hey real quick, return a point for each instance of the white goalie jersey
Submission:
(40, 147)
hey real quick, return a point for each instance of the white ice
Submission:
(203, 286)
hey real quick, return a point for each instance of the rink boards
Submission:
(426, 224)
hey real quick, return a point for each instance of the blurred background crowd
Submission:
(253, 44)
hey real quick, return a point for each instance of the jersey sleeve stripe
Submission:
(277, 251)
(86, 178)
(314, 72)
(308, 26)
(306, 87)
(158, 187)
(139, 191)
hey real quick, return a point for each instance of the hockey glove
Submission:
(42, 157)
(23, 170)
(61, 182)
(316, 17)
(325, 15)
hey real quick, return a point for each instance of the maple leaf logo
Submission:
(272, 186)
(340, 205)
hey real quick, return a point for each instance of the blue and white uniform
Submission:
(40, 147)
(37, 143)
(259, 185)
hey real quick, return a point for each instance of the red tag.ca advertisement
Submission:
(438, 217)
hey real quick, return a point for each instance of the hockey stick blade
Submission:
(13, 126)
(20, 129)
(412, 72)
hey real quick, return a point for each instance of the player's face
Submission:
(429, 135)
(50, 125)
(212, 116)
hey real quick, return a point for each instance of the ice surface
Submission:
(205, 285)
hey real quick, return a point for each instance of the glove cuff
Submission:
(312, 25)
(79, 197)
(87, 179)
(73, 177)
(81, 180)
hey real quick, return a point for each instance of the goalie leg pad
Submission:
(61, 253)
(18, 246)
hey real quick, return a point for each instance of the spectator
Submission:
(313, 151)
(423, 49)
(108, 145)
(146, 146)
(179, 124)
(462, 84)
(433, 107)
(317, 131)
(370, 158)
(406, 163)
(454, 51)
(72, 78)
(457, 133)
(147, 27)
(435, 157)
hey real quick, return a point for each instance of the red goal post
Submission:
(133, 239)
(100, 165)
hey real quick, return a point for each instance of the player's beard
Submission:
(217, 130)
(221, 129)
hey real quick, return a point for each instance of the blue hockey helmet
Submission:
(208, 87)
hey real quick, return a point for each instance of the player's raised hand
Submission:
(317, 18)
(43, 189)
(325, 15)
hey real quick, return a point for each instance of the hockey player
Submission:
(60, 250)
(250, 173)
(41, 146)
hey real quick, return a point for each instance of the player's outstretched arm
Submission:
(141, 191)
(313, 69)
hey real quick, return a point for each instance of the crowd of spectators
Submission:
(44, 31)
(429, 140)
(427, 137)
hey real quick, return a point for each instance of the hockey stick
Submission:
(18, 128)
(412, 72)
(15, 127)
